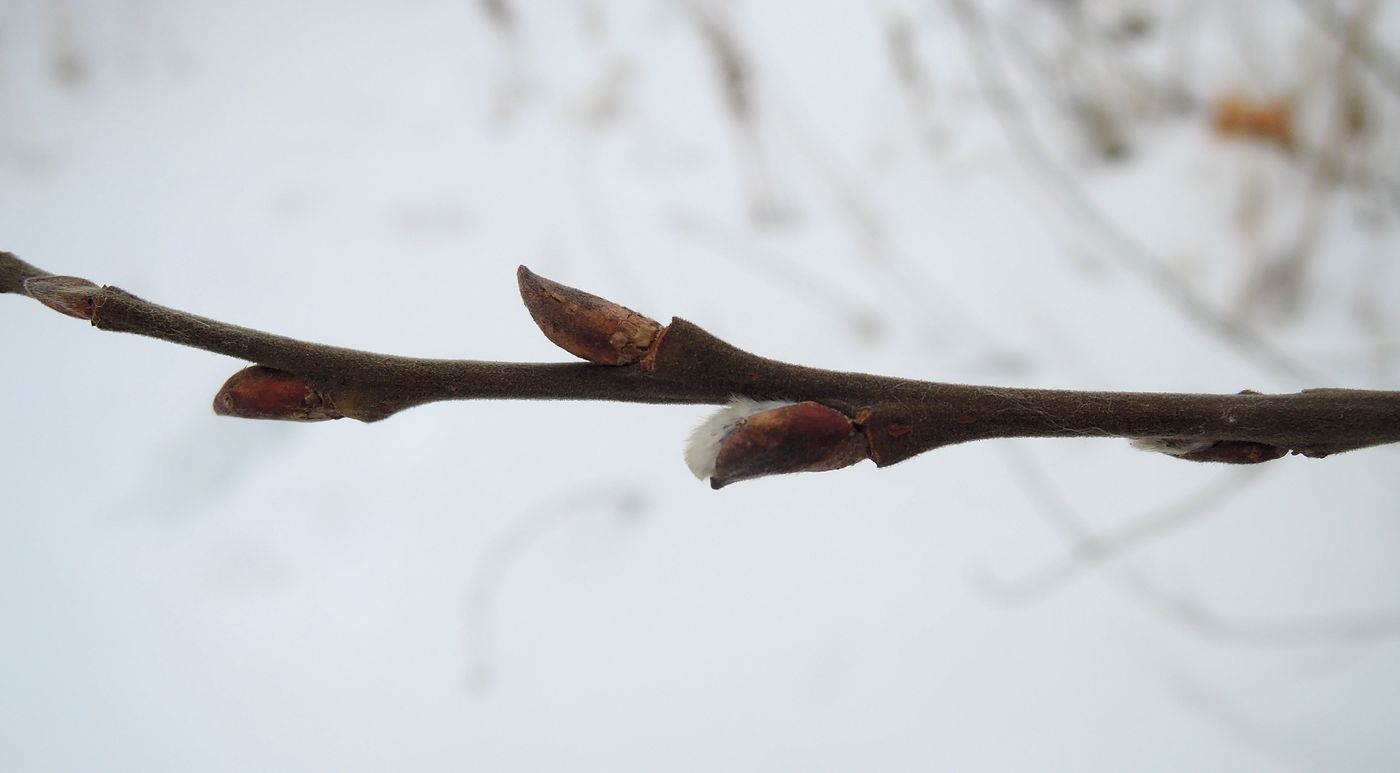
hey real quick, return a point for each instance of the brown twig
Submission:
(634, 359)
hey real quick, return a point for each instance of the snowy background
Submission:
(1026, 192)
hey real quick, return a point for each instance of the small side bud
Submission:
(260, 392)
(71, 295)
(1237, 452)
(749, 439)
(584, 325)
(1222, 451)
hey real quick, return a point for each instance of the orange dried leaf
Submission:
(1239, 116)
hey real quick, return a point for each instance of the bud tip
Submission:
(584, 325)
(71, 295)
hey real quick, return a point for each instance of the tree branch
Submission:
(823, 419)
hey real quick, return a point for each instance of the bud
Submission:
(584, 325)
(1225, 451)
(260, 392)
(71, 295)
(751, 439)
(1236, 452)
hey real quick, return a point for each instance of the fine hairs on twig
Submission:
(778, 417)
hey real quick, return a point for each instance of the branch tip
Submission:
(71, 295)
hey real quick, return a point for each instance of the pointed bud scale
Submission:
(260, 392)
(584, 325)
(71, 295)
(798, 437)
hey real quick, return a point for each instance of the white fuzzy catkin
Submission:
(704, 443)
(1171, 446)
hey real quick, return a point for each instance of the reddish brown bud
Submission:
(804, 437)
(260, 392)
(1235, 452)
(71, 295)
(585, 325)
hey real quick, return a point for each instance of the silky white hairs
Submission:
(1171, 446)
(704, 443)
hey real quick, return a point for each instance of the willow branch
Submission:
(797, 419)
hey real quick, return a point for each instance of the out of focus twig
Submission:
(1061, 190)
(1086, 551)
(1380, 60)
(497, 557)
(1174, 607)
(734, 70)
